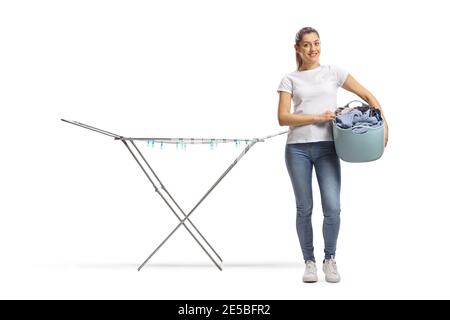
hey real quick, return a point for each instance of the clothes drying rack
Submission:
(149, 172)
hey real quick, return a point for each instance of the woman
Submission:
(313, 90)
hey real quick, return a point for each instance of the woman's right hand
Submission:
(326, 116)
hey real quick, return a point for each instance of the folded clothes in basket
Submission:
(358, 118)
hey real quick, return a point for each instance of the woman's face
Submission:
(309, 48)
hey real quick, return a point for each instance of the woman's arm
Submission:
(286, 118)
(352, 85)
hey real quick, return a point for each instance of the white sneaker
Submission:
(310, 274)
(330, 269)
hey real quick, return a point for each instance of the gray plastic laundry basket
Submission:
(358, 147)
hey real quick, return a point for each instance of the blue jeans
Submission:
(300, 159)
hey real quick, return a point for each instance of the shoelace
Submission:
(331, 265)
(310, 267)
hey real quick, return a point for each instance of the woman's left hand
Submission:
(386, 135)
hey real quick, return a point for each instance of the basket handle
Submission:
(360, 126)
(363, 104)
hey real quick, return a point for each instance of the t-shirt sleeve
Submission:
(341, 75)
(285, 85)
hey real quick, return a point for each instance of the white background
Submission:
(77, 216)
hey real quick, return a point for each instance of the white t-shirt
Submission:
(313, 91)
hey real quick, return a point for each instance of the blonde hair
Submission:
(298, 38)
